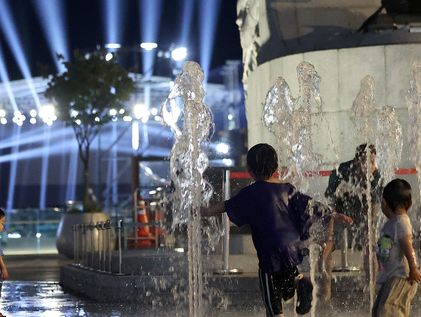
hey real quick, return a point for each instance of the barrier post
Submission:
(345, 267)
(226, 239)
(120, 259)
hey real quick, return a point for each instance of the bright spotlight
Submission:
(148, 46)
(113, 46)
(33, 121)
(18, 118)
(222, 148)
(154, 111)
(48, 114)
(3, 121)
(2, 113)
(141, 112)
(109, 56)
(113, 112)
(179, 54)
(127, 118)
(33, 113)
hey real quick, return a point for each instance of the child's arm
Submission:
(214, 210)
(3, 268)
(408, 251)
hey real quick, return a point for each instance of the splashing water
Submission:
(413, 101)
(192, 123)
(388, 142)
(364, 108)
(293, 121)
(363, 114)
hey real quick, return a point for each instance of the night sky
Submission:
(85, 30)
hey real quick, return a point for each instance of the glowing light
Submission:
(121, 111)
(150, 16)
(109, 56)
(154, 203)
(222, 148)
(187, 14)
(148, 46)
(2, 113)
(127, 118)
(228, 162)
(179, 54)
(113, 112)
(159, 189)
(18, 118)
(208, 19)
(180, 250)
(97, 119)
(158, 118)
(73, 113)
(52, 16)
(154, 111)
(48, 114)
(78, 122)
(152, 192)
(135, 136)
(230, 117)
(3, 121)
(148, 171)
(141, 112)
(38, 235)
(33, 121)
(9, 30)
(33, 113)
(113, 46)
(4, 77)
(14, 235)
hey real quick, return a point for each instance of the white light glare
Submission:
(141, 112)
(108, 57)
(154, 111)
(2, 113)
(38, 235)
(113, 45)
(152, 192)
(14, 235)
(33, 113)
(113, 112)
(48, 114)
(18, 118)
(3, 121)
(127, 118)
(33, 121)
(228, 162)
(179, 54)
(222, 148)
(148, 46)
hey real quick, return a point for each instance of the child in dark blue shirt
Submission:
(280, 218)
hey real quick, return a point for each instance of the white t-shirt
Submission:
(391, 257)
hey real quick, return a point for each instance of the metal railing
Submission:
(94, 245)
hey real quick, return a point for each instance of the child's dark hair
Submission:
(397, 193)
(361, 150)
(2, 213)
(262, 161)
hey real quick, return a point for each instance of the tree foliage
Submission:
(84, 95)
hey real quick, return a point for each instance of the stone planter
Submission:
(64, 241)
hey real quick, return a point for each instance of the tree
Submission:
(84, 95)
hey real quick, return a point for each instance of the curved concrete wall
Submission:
(341, 71)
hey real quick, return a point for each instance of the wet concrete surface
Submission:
(33, 290)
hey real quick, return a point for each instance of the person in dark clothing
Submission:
(347, 192)
(281, 219)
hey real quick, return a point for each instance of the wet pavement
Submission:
(34, 291)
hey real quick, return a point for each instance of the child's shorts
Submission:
(394, 298)
(276, 287)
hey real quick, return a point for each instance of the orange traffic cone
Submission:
(144, 235)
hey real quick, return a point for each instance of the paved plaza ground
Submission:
(34, 290)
